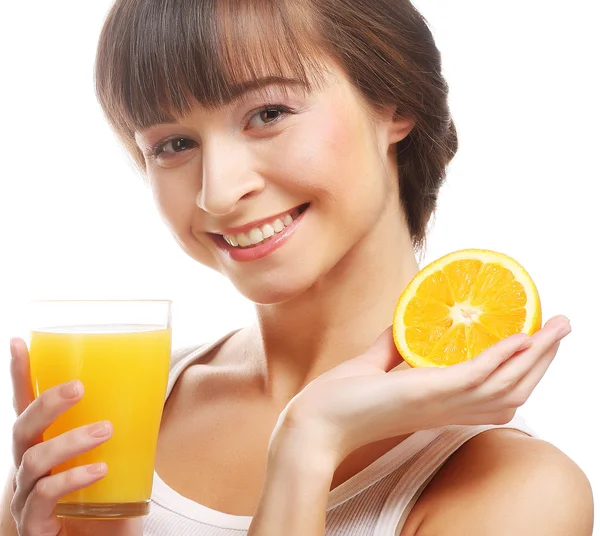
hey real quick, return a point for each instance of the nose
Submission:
(227, 178)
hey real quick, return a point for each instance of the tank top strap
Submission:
(421, 469)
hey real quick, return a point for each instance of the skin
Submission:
(337, 159)
(285, 452)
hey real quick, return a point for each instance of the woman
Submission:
(298, 148)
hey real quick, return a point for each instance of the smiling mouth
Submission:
(264, 233)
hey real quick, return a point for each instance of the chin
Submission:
(273, 290)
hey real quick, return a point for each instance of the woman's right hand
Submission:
(36, 492)
(376, 396)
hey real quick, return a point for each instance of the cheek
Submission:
(176, 202)
(170, 198)
(175, 190)
(326, 154)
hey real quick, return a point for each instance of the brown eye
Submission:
(267, 116)
(177, 145)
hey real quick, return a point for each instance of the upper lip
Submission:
(253, 224)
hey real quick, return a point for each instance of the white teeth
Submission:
(243, 240)
(255, 236)
(259, 234)
(268, 231)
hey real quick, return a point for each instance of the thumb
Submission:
(21, 376)
(383, 353)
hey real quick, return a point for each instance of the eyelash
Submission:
(156, 150)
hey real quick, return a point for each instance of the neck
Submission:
(340, 316)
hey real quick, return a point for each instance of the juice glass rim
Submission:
(95, 314)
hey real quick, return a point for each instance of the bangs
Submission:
(160, 57)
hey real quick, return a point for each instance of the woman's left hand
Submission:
(377, 396)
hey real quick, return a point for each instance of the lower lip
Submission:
(261, 250)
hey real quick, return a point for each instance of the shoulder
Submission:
(504, 482)
(186, 353)
(200, 353)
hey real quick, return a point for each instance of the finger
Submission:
(519, 394)
(471, 374)
(39, 460)
(383, 354)
(41, 413)
(20, 374)
(510, 373)
(527, 384)
(530, 381)
(38, 512)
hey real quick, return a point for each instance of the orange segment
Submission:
(421, 311)
(438, 285)
(451, 348)
(511, 296)
(504, 324)
(461, 275)
(477, 338)
(461, 304)
(425, 337)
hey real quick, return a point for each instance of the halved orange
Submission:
(461, 304)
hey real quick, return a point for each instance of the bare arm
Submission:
(367, 398)
(294, 495)
(502, 484)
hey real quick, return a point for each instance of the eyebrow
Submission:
(240, 90)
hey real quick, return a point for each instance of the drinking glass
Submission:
(120, 351)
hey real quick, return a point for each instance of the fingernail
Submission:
(97, 468)
(565, 330)
(13, 348)
(101, 429)
(556, 321)
(71, 389)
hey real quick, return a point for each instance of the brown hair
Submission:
(156, 58)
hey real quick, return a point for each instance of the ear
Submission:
(397, 128)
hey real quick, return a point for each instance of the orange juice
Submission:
(124, 372)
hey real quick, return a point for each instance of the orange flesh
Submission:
(488, 304)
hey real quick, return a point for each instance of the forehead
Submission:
(333, 89)
(205, 53)
(239, 92)
(333, 85)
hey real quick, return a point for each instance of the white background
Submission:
(76, 221)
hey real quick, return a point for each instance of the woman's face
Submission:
(275, 191)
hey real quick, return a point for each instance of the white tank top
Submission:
(374, 502)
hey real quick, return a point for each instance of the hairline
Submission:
(237, 93)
